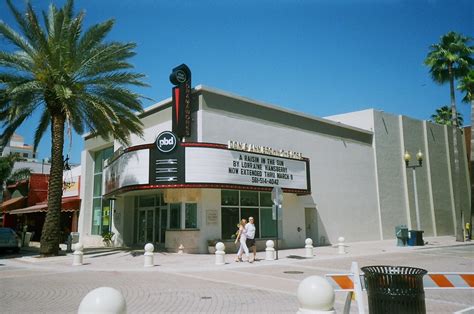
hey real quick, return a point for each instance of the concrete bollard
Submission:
(315, 295)
(77, 256)
(181, 249)
(341, 247)
(149, 248)
(270, 251)
(220, 253)
(309, 248)
(103, 300)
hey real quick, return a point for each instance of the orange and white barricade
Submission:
(448, 280)
(354, 284)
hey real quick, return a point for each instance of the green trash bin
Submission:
(395, 289)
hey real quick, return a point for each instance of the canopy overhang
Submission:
(71, 204)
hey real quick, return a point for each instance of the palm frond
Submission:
(93, 36)
(116, 78)
(11, 127)
(44, 122)
(16, 39)
(19, 175)
(17, 61)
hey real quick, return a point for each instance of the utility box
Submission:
(401, 232)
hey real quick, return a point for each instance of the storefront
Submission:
(188, 189)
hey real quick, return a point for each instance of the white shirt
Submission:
(250, 230)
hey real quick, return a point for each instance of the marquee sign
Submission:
(130, 168)
(222, 166)
(263, 150)
(169, 163)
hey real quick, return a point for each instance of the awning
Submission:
(12, 203)
(70, 204)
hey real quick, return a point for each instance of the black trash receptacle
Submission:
(395, 289)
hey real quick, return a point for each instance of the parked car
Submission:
(9, 240)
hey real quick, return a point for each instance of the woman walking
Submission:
(242, 237)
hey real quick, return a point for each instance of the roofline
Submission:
(278, 108)
(198, 88)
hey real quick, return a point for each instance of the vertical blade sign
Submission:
(181, 113)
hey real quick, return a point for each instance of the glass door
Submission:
(145, 230)
(163, 224)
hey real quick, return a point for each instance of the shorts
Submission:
(250, 242)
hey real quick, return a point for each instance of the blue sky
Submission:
(317, 57)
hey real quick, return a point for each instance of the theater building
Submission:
(341, 176)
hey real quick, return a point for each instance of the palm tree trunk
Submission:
(469, 218)
(457, 174)
(50, 235)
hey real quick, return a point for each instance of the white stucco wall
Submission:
(342, 171)
(91, 146)
(363, 119)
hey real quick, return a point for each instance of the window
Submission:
(175, 216)
(244, 204)
(230, 217)
(190, 214)
(100, 206)
(146, 201)
(230, 198)
(248, 198)
(268, 225)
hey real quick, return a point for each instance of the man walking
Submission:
(250, 230)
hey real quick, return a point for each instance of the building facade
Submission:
(341, 176)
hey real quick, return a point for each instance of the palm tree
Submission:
(467, 86)
(7, 174)
(449, 60)
(73, 78)
(444, 116)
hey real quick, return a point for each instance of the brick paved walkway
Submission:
(193, 284)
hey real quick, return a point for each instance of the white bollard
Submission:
(315, 295)
(181, 249)
(220, 253)
(341, 247)
(77, 256)
(270, 251)
(103, 300)
(149, 248)
(309, 248)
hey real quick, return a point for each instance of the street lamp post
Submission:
(407, 158)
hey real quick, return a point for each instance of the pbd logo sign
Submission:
(166, 142)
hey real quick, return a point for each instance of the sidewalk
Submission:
(117, 259)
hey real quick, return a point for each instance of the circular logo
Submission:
(181, 76)
(166, 142)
